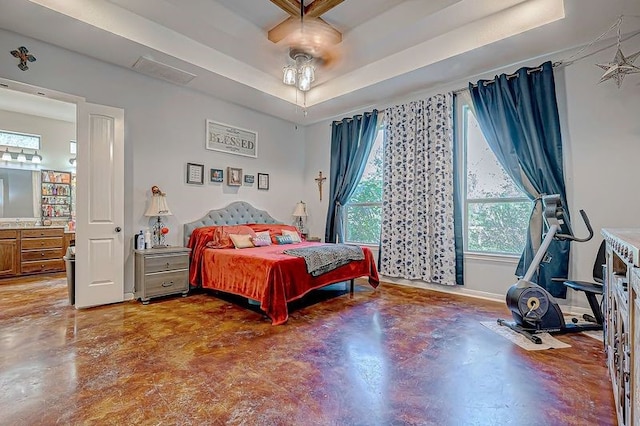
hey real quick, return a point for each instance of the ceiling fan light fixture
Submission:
(302, 74)
(304, 84)
(289, 77)
(307, 71)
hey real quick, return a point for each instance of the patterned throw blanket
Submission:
(325, 258)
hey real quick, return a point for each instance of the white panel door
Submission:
(99, 205)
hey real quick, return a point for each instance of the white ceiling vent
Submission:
(156, 69)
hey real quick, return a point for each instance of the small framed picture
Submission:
(263, 181)
(248, 179)
(217, 175)
(195, 173)
(234, 176)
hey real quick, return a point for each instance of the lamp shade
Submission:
(158, 206)
(301, 210)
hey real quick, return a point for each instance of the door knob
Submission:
(118, 229)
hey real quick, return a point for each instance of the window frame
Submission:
(29, 135)
(349, 204)
(461, 131)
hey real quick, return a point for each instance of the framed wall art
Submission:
(263, 181)
(217, 175)
(248, 179)
(195, 173)
(230, 139)
(234, 176)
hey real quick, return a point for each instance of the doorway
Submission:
(99, 130)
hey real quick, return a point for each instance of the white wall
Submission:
(317, 158)
(601, 138)
(165, 129)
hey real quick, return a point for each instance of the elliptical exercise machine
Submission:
(533, 308)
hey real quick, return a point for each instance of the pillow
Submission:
(295, 237)
(273, 229)
(241, 241)
(262, 239)
(221, 239)
(261, 242)
(284, 239)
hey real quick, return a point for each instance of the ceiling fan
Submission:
(305, 34)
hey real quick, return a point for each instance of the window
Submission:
(496, 211)
(19, 140)
(363, 215)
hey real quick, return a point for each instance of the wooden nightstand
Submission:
(161, 271)
(314, 239)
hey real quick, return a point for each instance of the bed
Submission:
(263, 274)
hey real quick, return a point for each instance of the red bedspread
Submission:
(267, 275)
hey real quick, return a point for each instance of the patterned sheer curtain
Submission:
(417, 240)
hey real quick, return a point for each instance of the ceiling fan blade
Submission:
(320, 7)
(291, 24)
(292, 7)
(316, 38)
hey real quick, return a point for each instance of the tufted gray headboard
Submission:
(236, 213)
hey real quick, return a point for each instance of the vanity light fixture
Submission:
(21, 157)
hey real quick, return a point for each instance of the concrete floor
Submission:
(391, 356)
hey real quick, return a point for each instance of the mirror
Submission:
(17, 196)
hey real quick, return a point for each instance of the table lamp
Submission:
(300, 213)
(159, 208)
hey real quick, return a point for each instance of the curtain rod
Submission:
(510, 76)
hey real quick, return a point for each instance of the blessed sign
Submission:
(232, 140)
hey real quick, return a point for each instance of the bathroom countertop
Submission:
(11, 225)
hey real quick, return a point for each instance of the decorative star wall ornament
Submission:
(619, 67)
(23, 54)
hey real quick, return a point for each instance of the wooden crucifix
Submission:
(320, 179)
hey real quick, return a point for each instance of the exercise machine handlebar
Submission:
(571, 237)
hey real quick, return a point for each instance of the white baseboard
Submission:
(462, 291)
(451, 289)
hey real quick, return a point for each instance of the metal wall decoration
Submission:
(23, 54)
(320, 180)
(621, 65)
